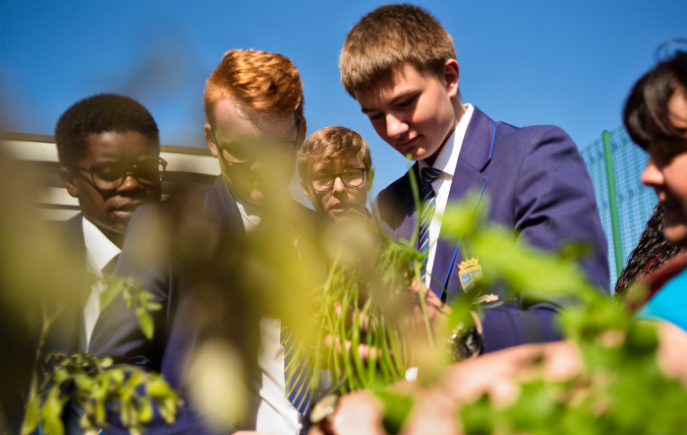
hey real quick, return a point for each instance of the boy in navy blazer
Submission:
(195, 254)
(109, 151)
(400, 65)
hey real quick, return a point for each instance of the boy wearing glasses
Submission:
(208, 275)
(335, 167)
(109, 151)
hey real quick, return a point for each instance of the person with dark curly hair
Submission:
(109, 151)
(656, 119)
(651, 252)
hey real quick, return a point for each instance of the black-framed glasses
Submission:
(111, 175)
(350, 177)
(242, 152)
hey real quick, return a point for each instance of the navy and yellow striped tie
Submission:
(427, 176)
(297, 372)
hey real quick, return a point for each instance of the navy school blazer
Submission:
(539, 186)
(176, 279)
(66, 333)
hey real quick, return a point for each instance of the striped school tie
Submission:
(297, 372)
(427, 176)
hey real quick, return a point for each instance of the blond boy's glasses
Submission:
(350, 178)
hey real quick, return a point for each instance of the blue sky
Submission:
(568, 63)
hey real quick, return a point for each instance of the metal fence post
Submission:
(613, 203)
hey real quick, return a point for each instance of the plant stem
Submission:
(423, 304)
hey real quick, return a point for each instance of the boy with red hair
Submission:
(255, 127)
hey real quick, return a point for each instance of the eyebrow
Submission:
(402, 95)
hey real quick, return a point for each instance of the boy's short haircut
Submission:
(389, 37)
(331, 143)
(99, 114)
(646, 114)
(266, 83)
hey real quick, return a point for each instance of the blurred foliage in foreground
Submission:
(39, 274)
(367, 303)
(620, 389)
(93, 384)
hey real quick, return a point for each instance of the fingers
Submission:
(430, 297)
(365, 352)
(433, 413)
(358, 413)
(351, 317)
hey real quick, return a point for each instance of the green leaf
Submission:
(397, 407)
(153, 306)
(83, 382)
(462, 219)
(145, 321)
(60, 375)
(158, 388)
(145, 411)
(31, 417)
(116, 375)
(50, 413)
(114, 287)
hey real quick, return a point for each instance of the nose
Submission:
(130, 182)
(256, 165)
(395, 126)
(652, 175)
(338, 185)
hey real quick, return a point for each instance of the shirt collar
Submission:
(448, 156)
(250, 214)
(100, 250)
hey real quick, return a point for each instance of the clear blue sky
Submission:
(568, 63)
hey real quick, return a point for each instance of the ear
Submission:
(69, 180)
(370, 177)
(208, 139)
(304, 131)
(452, 76)
(306, 190)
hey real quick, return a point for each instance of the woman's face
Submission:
(666, 172)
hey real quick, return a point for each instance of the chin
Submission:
(676, 234)
(256, 197)
(338, 217)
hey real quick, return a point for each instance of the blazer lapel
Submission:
(471, 174)
(406, 213)
(220, 206)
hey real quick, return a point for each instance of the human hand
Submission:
(436, 315)
(356, 413)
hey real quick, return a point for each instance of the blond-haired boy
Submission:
(335, 167)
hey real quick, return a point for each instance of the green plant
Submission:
(93, 383)
(620, 389)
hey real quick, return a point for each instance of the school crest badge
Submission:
(469, 273)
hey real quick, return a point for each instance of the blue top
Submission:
(669, 304)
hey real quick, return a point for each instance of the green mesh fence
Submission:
(636, 202)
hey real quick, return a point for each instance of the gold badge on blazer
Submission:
(469, 273)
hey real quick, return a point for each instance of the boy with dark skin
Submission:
(109, 151)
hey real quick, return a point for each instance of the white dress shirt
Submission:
(446, 162)
(275, 413)
(100, 252)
